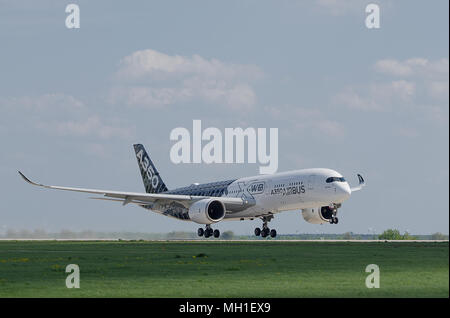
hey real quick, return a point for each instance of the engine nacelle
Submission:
(319, 215)
(207, 211)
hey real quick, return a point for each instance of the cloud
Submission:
(352, 99)
(413, 67)
(435, 113)
(306, 119)
(330, 128)
(51, 112)
(396, 90)
(45, 102)
(376, 96)
(438, 89)
(408, 85)
(92, 126)
(393, 67)
(96, 149)
(154, 79)
(153, 63)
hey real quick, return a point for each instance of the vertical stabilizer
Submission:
(152, 180)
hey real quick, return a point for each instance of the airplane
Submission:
(318, 192)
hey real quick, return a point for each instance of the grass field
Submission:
(223, 269)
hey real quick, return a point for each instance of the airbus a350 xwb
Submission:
(317, 192)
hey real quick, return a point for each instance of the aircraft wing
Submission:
(231, 204)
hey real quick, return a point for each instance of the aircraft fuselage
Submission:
(268, 194)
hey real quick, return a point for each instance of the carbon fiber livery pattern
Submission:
(178, 211)
(150, 176)
(154, 184)
(213, 189)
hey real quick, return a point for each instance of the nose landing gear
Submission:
(334, 208)
(265, 231)
(208, 231)
(334, 220)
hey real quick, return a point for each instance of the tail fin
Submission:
(152, 181)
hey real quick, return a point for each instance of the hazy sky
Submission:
(357, 100)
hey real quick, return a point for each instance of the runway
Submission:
(219, 240)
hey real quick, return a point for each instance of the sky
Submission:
(343, 96)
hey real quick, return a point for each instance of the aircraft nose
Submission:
(344, 190)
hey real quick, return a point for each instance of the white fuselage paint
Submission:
(292, 190)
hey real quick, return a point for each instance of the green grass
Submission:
(223, 269)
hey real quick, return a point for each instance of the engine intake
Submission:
(319, 215)
(207, 211)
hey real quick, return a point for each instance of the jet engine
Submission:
(319, 215)
(207, 211)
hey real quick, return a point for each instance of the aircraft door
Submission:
(268, 185)
(311, 182)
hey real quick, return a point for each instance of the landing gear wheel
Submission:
(208, 231)
(336, 220)
(265, 231)
(273, 233)
(216, 233)
(200, 232)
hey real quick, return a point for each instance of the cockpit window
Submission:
(335, 179)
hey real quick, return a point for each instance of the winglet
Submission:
(29, 181)
(361, 184)
(361, 180)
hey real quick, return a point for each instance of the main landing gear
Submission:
(208, 231)
(265, 231)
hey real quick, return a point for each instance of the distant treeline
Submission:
(390, 234)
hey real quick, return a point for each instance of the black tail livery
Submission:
(152, 180)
